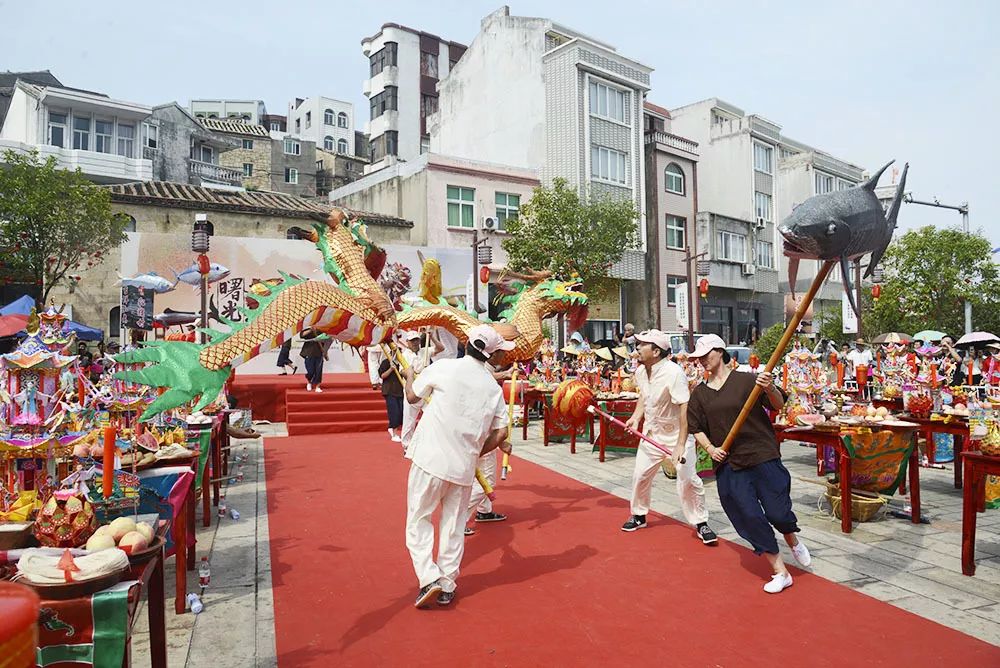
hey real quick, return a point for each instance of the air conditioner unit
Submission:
(749, 270)
(760, 223)
(490, 223)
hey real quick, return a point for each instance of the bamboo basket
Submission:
(863, 508)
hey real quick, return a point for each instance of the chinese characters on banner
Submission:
(230, 296)
(136, 308)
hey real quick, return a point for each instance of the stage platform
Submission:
(264, 394)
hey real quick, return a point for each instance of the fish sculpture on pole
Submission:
(833, 227)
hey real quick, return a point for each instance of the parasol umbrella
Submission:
(892, 337)
(977, 339)
(929, 336)
(12, 324)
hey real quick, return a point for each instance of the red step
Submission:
(343, 407)
(339, 427)
(302, 417)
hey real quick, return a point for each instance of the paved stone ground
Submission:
(911, 566)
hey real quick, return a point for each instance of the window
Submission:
(292, 147)
(824, 183)
(764, 254)
(672, 283)
(247, 169)
(328, 117)
(342, 146)
(607, 164)
(429, 64)
(150, 135)
(207, 154)
(248, 144)
(275, 126)
(676, 232)
(81, 133)
(607, 102)
(731, 246)
(762, 205)
(245, 117)
(126, 140)
(298, 126)
(57, 129)
(383, 101)
(328, 143)
(508, 205)
(428, 105)
(385, 57)
(309, 119)
(391, 142)
(342, 120)
(844, 185)
(461, 207)
(763, 158)
(213, 115)
(385, 144)
(291, 175)
(673, 175)
(103, 132)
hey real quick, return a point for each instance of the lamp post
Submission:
(203, 229)
(692, 299)
(479, 248)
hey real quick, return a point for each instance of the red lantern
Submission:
(876, 291)
(703, 288)
(484, 274)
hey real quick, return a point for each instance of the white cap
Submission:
(656, 337)
(706, 344)
(409, 335)
(488, 340)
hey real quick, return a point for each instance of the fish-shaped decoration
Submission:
(191, 276)
(150, 281)
(842, 225)
(170, 317)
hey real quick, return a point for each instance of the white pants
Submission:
(374, 359)
(689, 486)
(479, 501)
(424, 493)
(410, 414)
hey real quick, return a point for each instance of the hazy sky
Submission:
(865, 81)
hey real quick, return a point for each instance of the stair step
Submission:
(337, 427)
(301, 417)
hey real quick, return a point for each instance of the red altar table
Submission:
(845, 466)
(612, 436)
(956, 427)
(554, 426)
(977, 466)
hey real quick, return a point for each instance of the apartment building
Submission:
(183, 150)
(326, 122)
(249, 111)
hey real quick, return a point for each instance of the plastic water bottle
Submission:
(235, 514)
(239, 475)
(194, 602)
(204, 573)
(222, 506)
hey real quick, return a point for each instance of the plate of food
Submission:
(899, 423)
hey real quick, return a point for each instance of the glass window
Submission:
(676, 232)
(824, 183)
(607, 102)
(309, 119)
(328, 143)
(103, 134)
(383, 102)
(763, 157)
(298, 126)
(731, 246)
(508, 205)
(57, 129)
(673, 175)
(291, 175)
(126, 140)
(150, 135)
(247, 169)
(607, 164)
(672, 283)
(429, 64)
(844, 185)
(248, 144)
(342, 120)
(207, 154)
(81, 133)
(342, 146)
(762, 204)
(383, 58)
(292, 147)
(428, 105)
(764, 255)
(275, 126)
(328, 117)
(461, 206)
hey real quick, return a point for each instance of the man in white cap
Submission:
(465, 419)
(417, 358)
(662, 409)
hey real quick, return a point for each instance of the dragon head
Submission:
(551, 296)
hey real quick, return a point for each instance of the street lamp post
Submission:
(203, 229)
(692, 299)
(478, 246)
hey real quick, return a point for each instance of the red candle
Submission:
(81, 389)
(970, 373)
(840, 375)
(108, 473)
(934, 378)
(784, 376)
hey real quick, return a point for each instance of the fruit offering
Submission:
(920, 405)
(123, 533)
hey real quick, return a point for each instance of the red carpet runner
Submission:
(556, 585)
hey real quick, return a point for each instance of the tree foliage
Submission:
(769, 339)
(53, 222)
(559, 231)
(928, 273)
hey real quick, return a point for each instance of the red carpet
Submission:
(265, 393)
(556, 585)
(348, 405)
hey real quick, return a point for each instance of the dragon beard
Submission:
(576, 317)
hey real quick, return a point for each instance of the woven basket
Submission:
(863, 508)
(988, 447)
(21, 537)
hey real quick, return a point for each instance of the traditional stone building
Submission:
(252, 157)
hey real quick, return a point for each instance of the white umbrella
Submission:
(977, 339)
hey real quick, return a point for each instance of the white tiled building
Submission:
(90, 131)
(250, 111)
(323, 120)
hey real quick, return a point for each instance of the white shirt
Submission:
(856, 357)
(416, 359)
(662, 391)
(467, 405)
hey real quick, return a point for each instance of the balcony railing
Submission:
(673, 141)
(208, 171)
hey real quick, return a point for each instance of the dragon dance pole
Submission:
(779, 351)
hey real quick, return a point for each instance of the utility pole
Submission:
(692, 298)
(857, 293)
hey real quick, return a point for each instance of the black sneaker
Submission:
(425, 594)
(445, 597)
(707, 536)
(490, 517)
(635, 522)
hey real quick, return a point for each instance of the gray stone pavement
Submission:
(916, 567)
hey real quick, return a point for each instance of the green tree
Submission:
(559, 231)
(929, 273)
(768, 341)
(52, 222)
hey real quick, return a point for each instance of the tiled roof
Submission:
(234, 127)
(183, 196)
(656, 109)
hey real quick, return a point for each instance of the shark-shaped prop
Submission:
(843, 226)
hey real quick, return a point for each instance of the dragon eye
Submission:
(831, 229)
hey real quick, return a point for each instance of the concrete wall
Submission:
(305, 162)
(24, 117)
(225, 108)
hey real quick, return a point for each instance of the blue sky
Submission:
(865, 81)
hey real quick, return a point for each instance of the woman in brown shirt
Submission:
(753, 484)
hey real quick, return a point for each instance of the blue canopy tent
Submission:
(23, 306)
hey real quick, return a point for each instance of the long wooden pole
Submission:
(779, 351)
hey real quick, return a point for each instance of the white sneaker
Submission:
(318, 389)
(801, 554)
(396, 439)
(391, 433)
(309, 387)
(779, 582)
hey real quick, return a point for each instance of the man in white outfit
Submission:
(374, 354)
(662, 408)
(464, 419)
(418, 359)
